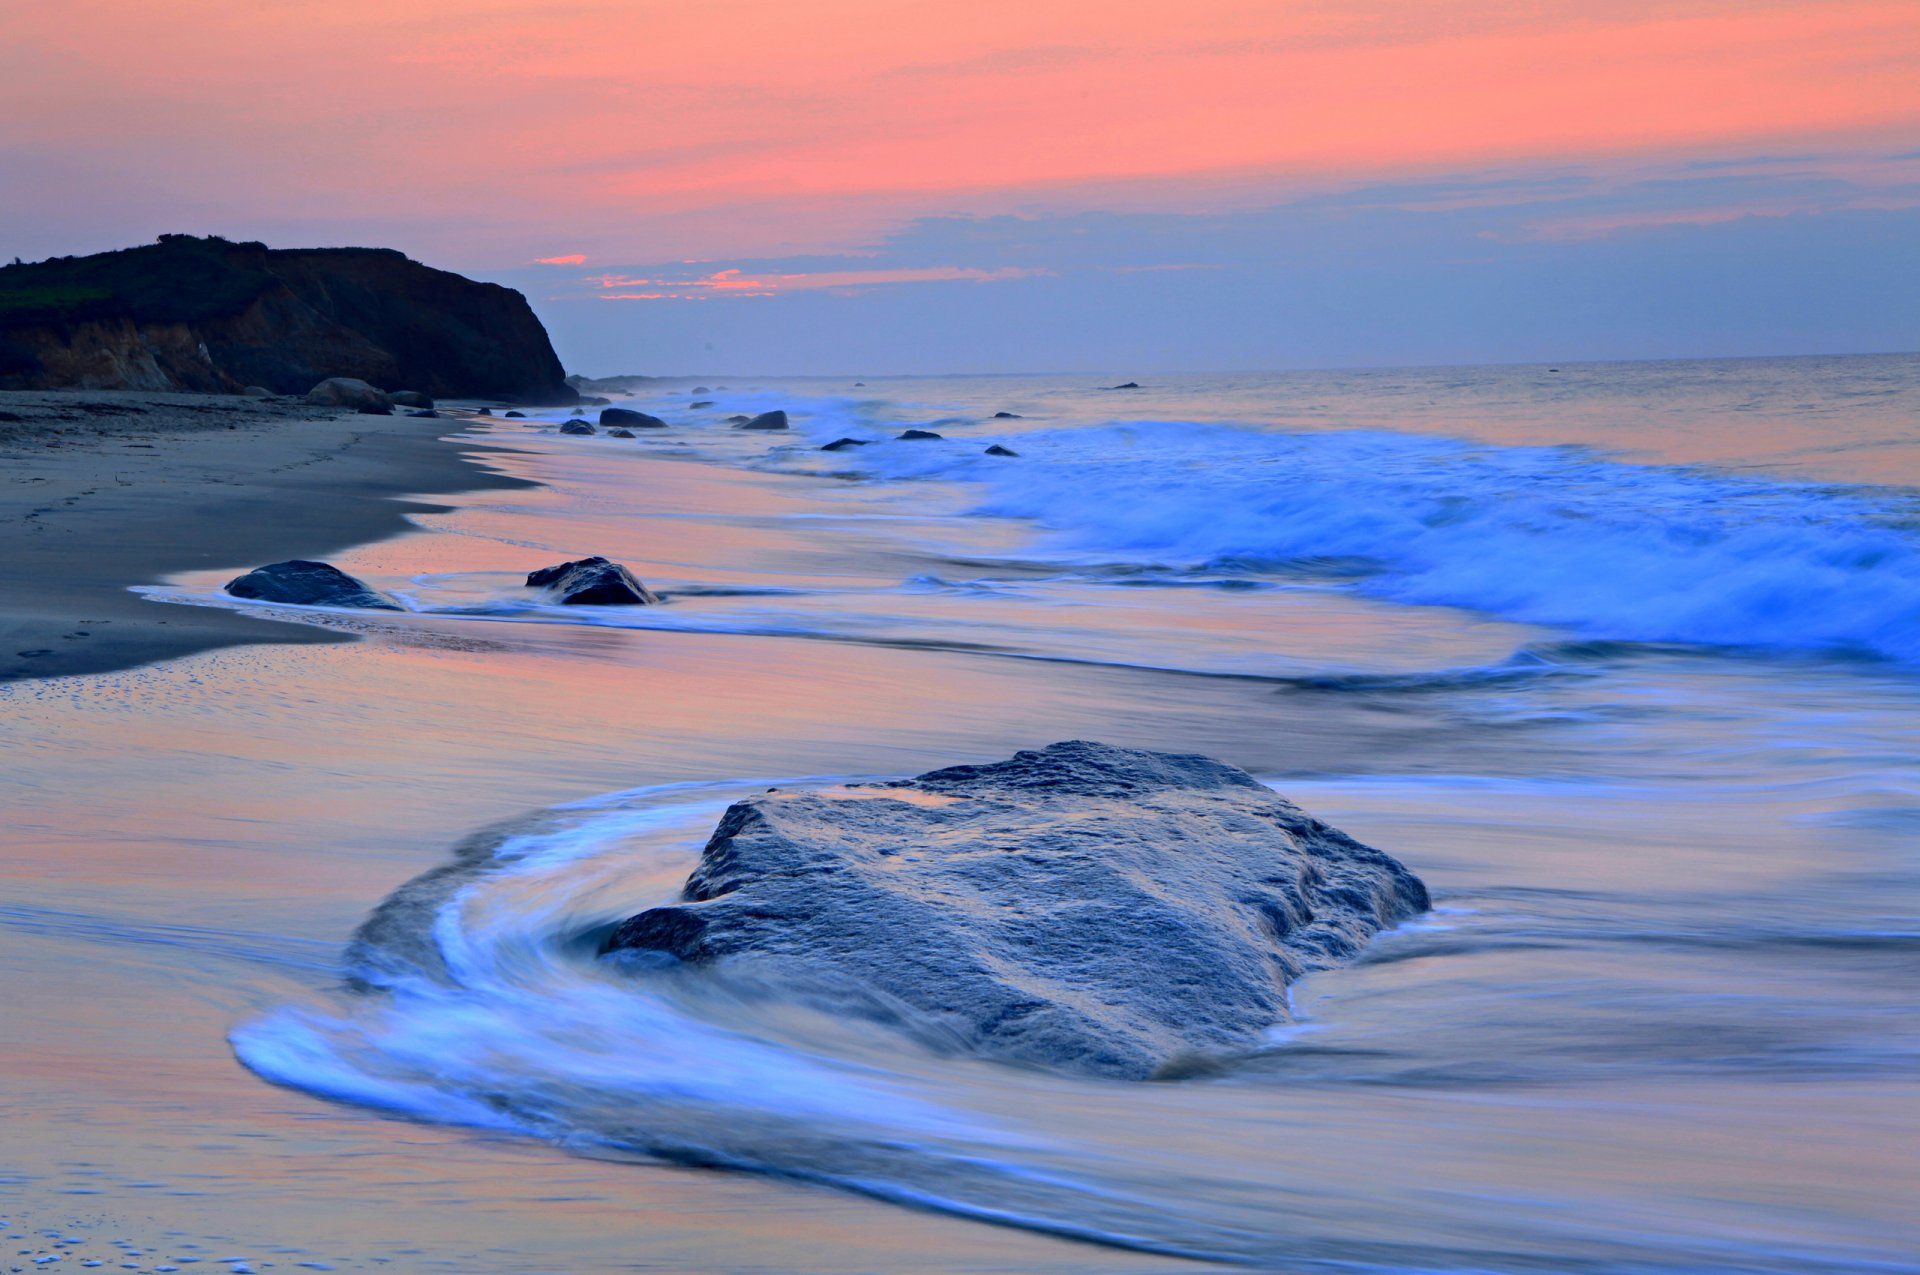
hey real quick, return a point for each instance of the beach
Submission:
(1659, 1020)
(107, 488)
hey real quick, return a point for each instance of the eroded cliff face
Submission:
(207, 315)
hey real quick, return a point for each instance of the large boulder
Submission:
(592, 582)
(311, 584)
(577, 427)
(627, 418)
(766, 420)
(347, 391)
(410, 398)
(1083, 907)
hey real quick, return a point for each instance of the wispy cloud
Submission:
(736, 282)
(571, 259)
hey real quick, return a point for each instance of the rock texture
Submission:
(627, 418)
(347, 391)
(314, 584)
(592, 582)
(577, 427)
(766, 420)
(214, 316)
(1083, 907)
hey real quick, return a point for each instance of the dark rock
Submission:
(312, 584)
(11, 417)
(578, 427)
(257, 391)
(998, 450)
(1130, 385)
(738, 420)
(517, 416)
(630, 419)
(578, 411)
(859, 385)
(485, 411)
(592, 582)
(842, 444)
(596, 401)
(920, 434)
(347, 391)
(702, 389)
(699, 403)
(373, 409)
(425, 414)
(1008, 416)
(214, 316)
(617, 432)
(1083, 907)
(411, 398)
(767, 420)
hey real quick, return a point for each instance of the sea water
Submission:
(1623, 660)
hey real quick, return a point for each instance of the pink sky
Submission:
(491, 132)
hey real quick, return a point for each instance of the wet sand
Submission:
(106, 489)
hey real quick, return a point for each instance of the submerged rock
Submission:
(578, 427)
(842, 444)
(1083, 907)
(699, 403)
(518, 416)
(627, 418)
(918, 434)
(1007, 416)
(998, 450)
(592, 582)
(620, 433)
(313, 584)
(767, 420)
(1130, 385)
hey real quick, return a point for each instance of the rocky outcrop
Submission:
(766, 420)
(917, 435)
(627, 418)
(311, 584)
(1083, 907)
(209, 315)
(592, 582)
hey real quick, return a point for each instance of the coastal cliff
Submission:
(213, 316)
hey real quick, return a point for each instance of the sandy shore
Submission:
(107, 489)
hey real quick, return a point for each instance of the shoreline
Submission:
(109, 489)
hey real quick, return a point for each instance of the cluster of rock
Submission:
(1081, 907)
(348, 391)
(298, 582)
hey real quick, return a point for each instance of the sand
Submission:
(108, 489)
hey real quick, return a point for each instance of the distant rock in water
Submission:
(843, 444)
(312, 584)
(347, 391)
(577, 427)
(592, 582)
(627, 418)
(617, 432)
(913, 435)
(998, 450)
(515, 416)
(699, 403)
(1007, 416)
(1130, 385)
(213, 316)
(1083, 907)
(767, 420)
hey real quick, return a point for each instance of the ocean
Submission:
(1622, 659)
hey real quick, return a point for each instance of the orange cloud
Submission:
(759, 127)
(737, 283)
(573, 259)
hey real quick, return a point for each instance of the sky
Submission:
(1125, 186)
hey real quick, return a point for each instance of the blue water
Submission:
(1621, 659)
